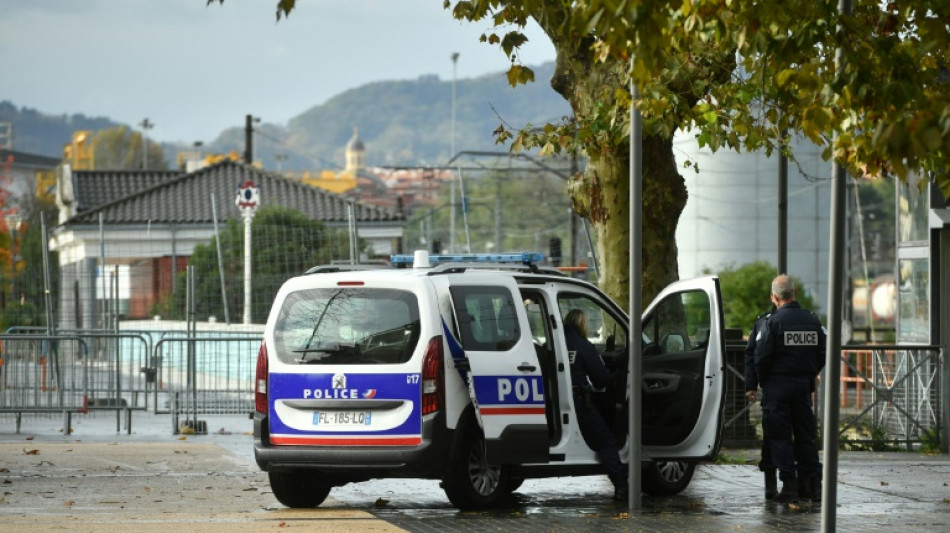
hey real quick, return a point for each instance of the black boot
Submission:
(814, 488)
(789, 491)
(621, 490)
(771, 484)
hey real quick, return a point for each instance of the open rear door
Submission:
(504, 374)
(683, 371)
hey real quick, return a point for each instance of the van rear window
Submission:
(347, 326)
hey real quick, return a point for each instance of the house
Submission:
(143, 226)
(22, 173)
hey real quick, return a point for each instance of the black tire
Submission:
(299, 490)
(665, 478)
(472, 484)
(514, 483)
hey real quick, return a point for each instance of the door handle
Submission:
(526, 367)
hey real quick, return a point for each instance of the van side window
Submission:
(487, 320)
(680, 323)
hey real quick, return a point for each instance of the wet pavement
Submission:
(98, 479)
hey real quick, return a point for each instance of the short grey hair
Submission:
(783, 287)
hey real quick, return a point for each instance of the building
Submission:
(140, 227)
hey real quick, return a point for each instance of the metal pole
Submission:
(101, 300)
(248, 217)
(452, 219)
(783, 208)
(468, 239)
(217, 239)
(832, 383)
(573, 215)
(351, 226)
(635, 365)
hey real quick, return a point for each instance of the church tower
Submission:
(355, 153)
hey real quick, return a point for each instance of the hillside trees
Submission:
(120, 148)
(742, 75)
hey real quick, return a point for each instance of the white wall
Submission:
(731, 216)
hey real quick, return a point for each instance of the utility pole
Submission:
(249, 122)
(249, 139)
(146, 125)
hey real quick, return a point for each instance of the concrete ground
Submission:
(99, 479)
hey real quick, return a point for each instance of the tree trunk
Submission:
(601, 193)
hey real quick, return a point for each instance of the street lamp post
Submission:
(13, 221)
(146, 125)
(455, 59)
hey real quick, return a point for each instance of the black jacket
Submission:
(751, 376)
(791, 344)
(587, 368)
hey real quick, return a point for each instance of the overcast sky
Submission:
(194, 70)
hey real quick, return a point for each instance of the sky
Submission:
(194, 70)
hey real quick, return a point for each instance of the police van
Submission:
(454, 367)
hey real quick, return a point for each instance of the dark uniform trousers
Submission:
(598, 436)
(790, 424)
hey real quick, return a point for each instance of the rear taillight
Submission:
(260, 381)
(432, 388)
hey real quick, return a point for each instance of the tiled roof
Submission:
(95, 188)
(177, 198)
(25, 160)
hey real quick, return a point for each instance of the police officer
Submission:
(766, 466)
(587, 373)
(789, 354)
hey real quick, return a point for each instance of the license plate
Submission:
(342, 418)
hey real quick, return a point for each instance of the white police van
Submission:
(455, 368)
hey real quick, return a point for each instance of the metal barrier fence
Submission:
(162, 371)
(890, 395)
(205, 375)
(43, 374)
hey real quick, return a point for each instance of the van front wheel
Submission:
(472, 483)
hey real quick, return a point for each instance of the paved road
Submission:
(154, 481)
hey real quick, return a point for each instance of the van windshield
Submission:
(349, 326)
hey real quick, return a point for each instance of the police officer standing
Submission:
(587, 373)
(766, 466)
(789, 354)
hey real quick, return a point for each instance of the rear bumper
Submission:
(353, 463)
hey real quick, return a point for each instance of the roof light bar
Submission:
(525, 258)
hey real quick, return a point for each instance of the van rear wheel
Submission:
(472, 483)
(299, 490)
(665, 478)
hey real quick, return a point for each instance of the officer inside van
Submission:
(588, 372)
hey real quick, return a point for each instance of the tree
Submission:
(28, 306)
(120, 148)
(746, 289)
(743, 75)
(285, 243)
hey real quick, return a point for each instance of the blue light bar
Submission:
(525, 258)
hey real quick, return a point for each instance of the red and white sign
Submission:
(248, 196)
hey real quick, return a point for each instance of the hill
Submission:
(402, 123)
(37, 133)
